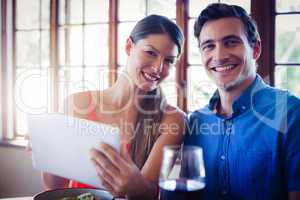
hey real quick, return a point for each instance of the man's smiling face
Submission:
(226, 53)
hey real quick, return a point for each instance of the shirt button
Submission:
(222, 157)
(243, 107)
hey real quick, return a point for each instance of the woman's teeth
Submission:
(224, 69)
(150, 77)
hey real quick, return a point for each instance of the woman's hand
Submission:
(118, 173)
(51, 181)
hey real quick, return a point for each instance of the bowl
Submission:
(58, 194)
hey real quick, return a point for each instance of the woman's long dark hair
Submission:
(151, 108)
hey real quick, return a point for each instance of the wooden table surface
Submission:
(31, 198)
(19, 198)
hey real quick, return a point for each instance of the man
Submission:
(249, 131)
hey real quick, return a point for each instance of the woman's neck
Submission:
(124, 93)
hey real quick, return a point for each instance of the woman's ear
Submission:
(128, 46)
(257, 50)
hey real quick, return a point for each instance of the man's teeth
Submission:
(150, 77)
(223, 69)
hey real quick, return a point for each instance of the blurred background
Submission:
(53, 48)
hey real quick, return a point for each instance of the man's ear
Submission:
(128, 46)
(257, 50)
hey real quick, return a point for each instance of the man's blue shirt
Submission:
(255, 153)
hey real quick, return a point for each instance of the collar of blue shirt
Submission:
(245, 100)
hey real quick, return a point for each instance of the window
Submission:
(287, 48)
(32, 39)
(53, 48)
(82, 46)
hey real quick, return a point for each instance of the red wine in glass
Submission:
(181, 189)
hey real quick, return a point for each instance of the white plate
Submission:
(61, 193)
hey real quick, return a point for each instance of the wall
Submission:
(17, 177)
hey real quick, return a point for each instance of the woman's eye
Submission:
(170, 61)
(151, 53)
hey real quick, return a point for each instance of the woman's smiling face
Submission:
(150, 59)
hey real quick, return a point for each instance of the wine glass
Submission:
(182, 174)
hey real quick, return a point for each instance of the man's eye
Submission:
(231, 42)
(207, 47)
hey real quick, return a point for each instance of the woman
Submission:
(136, 105)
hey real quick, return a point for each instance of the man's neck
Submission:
(224, 107)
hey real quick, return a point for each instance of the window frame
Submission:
(6, 72)
(285, 64)
(2, 69)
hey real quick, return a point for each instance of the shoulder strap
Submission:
(92, 115)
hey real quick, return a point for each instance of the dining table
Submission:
(18, 198)
(65, 192)
(31, 198)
